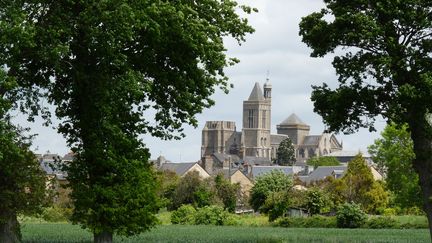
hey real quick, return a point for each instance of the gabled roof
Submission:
(256, 94)
(311, 140)
(221, 157)
(257, 160)
(261, 170)
(321, 172)
(293, 119)
(179, 168)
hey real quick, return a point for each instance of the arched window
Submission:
(302, 153)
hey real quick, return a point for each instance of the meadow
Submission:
(68, 233)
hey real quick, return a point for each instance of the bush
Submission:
(307, 222)
(381, 222)
(350, 216)
(56, 214)
(183, 215)
(211, 215)
(389, 212)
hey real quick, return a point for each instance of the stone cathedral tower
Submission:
(256, 123)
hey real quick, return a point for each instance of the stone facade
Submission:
(255, 138)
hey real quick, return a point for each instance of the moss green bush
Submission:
(350, 215)
(306, 222)
(56, 214)
(185, 214)
(381, 222)
(211, 215)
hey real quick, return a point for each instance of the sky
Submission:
(274, 51)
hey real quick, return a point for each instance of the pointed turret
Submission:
(256, 94)
(267, 89)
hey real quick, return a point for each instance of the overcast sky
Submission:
(274, 47)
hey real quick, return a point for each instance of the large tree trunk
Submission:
(103, 237)
(421, 134)
(9, 227)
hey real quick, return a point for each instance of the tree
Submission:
(315, 200)
(227, 192)
(323, 161)
(285, 154)
(168, 181)
(383, 67)
(106, 65)
(361, 188)
(271, 182)
(191, 190)
(22, 181)
(393, 153)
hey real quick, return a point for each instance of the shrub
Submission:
(56, 214)
(183, 215)
(381, 222)
(350, 216)
(211, 215)
(389, 212)
(306, 222)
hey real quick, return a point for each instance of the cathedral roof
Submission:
(293, 119)
(312, 140)
(256, 94)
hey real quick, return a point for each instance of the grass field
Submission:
(67, 233)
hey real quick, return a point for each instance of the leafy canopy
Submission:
(271, 182)
(285, 154)
(393, 153)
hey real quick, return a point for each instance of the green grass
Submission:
(67, 233)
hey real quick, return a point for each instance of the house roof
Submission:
(256, 94)
(179, 168)
(321, 172)
(261, 170)
(277, 138)
(69, 156)
(221, 157)
(344, 153)
(311, 140)
(257, 160)
(293, 119)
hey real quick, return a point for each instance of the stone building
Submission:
(255, 138)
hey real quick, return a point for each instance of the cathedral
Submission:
(221, 138)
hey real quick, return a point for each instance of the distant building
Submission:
(254, 144)
(181, 169)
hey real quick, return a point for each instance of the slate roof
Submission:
(261, 170)
(257, 160)
(179, 168)
(69, 156)
(277, 138)
(293, 119)
(256, 94)
(222, 157)
(311, 140)
(321, 172)
(227, 173)
(52, 168)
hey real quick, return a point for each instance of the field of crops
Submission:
(63, 232)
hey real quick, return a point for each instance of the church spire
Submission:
(256, 94)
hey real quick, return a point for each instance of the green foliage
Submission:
(285, 154)
(323, 161)
(211, 215)
(315, 201)
(227, 192)
(361, 187)
(350, 215)
(393, 153)
(168, 181)
(316, 221)
(381, 222)
(276, 205)
(204, 195)
(184, 215)
(274, 181)
(56, 214)
(104, 64)
(383, 68)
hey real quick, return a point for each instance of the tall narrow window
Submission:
(263, 125)
(251, 119)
